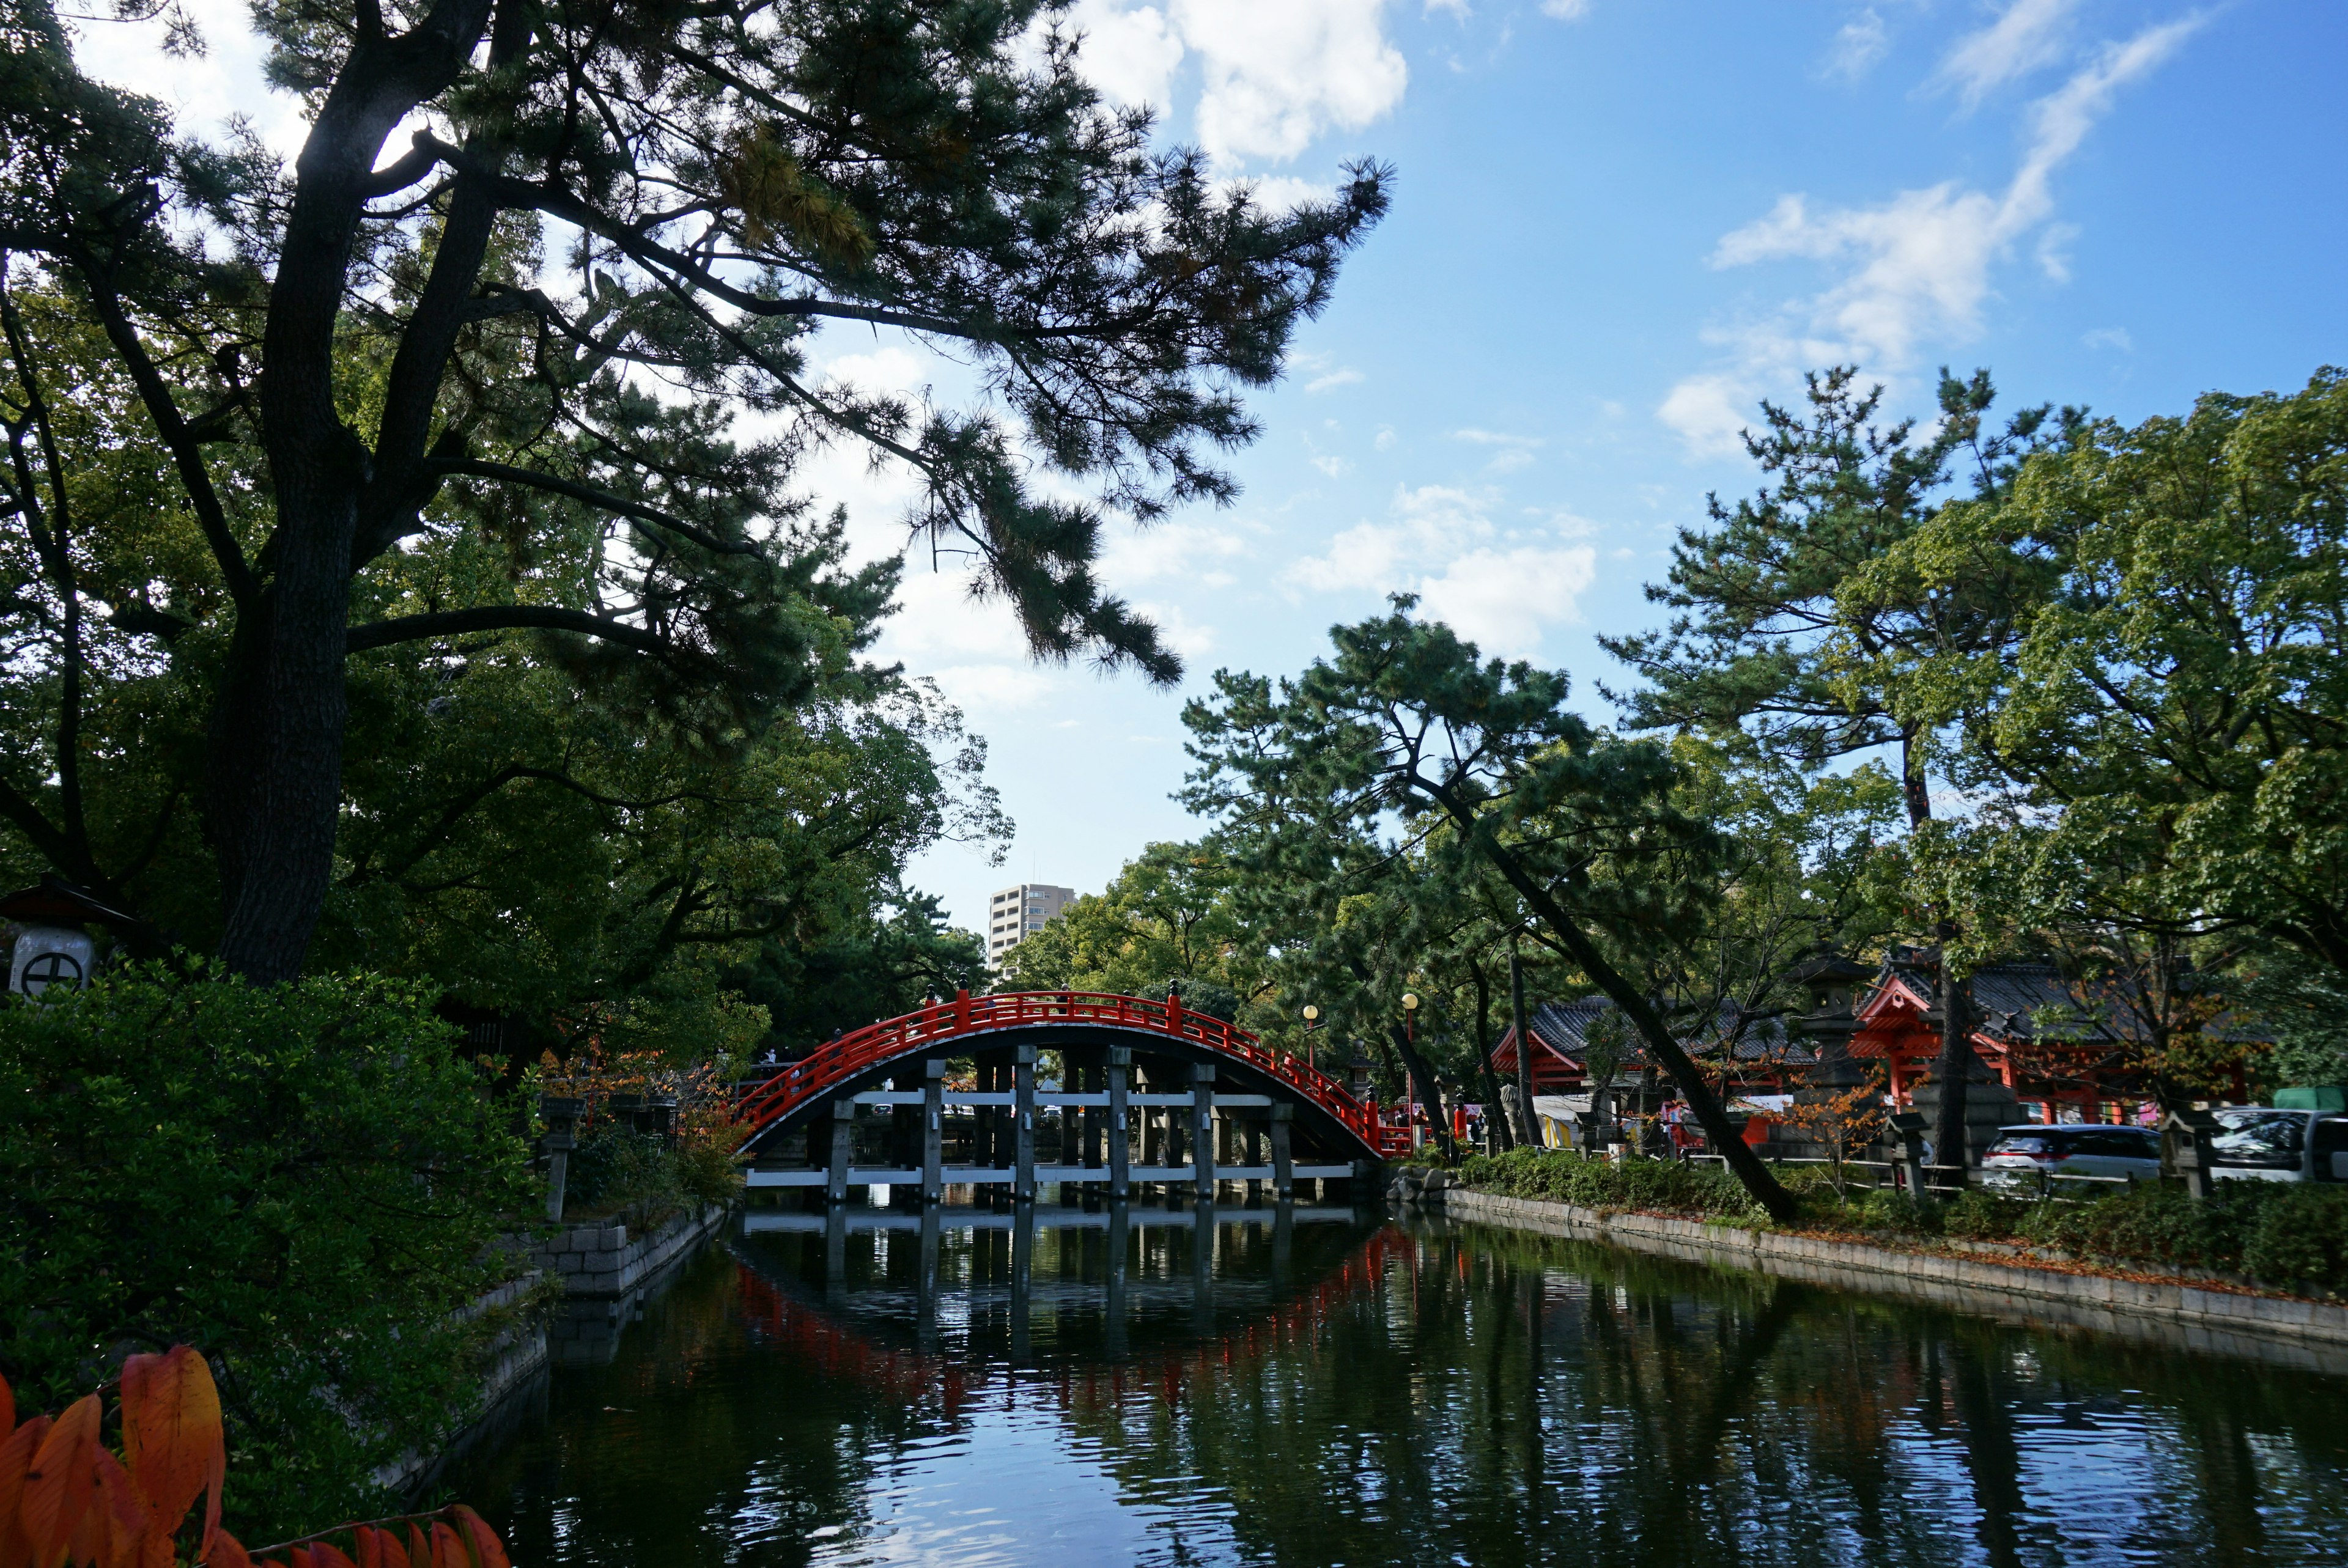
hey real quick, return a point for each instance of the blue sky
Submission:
(1617, 226)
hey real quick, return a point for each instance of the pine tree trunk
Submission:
(274, 777)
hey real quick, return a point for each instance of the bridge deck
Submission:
(982, 1176)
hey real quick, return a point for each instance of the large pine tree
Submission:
(613, 226)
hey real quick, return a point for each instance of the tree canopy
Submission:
(545, 372)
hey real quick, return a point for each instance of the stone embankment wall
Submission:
(2279, 1329)
(606, 1275)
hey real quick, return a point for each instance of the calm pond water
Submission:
(1344, 1389)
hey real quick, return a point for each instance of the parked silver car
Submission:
(2262, 1143)
(2029, 1157)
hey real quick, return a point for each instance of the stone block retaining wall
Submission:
(2289, 1331)
(607, 1273)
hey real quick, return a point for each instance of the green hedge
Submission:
(1663, 1186)
(2285, 1233)
(302, 1181)
(2288, 1236)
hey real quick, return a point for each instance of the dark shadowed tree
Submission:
(613, 226)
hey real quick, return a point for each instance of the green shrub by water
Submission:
(2281, 1233)
(2288, 1236)
(303, 1180)
(625, 1175)
(1562, 1176)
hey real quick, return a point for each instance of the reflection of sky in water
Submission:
(1011, 1489)
(1342, 1394)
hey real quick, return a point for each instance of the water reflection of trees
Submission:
(1438, 1399)
(1519, 1401)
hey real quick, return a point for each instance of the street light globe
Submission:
(1410, 1002)
(1311, 1012)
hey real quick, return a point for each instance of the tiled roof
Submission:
(2021, 1001)
(1563, 1028)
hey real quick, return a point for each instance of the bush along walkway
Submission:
(2265, 1239)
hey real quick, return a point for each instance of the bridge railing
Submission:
(854, 1054)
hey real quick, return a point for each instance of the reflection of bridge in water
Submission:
(920, 1300)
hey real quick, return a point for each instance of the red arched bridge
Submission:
(1151, 1091)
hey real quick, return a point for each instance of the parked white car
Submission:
(2262, 1143)
(2029, 1157)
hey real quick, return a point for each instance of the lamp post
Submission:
(1312, 1019)
(1410, 1089)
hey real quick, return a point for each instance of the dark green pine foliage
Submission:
(538, 323)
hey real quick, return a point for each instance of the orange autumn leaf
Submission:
(420, 1549)
(225, 1552)
(487, 1550)
(121, 1518)
(15, 1459)
(324, 1555)
(57, 1484)
(448, 1548)
(395, 1556)
(171, 1435)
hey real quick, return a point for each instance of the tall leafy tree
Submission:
(613, 226)
(1766, 648)
(1167, 917)
(2161, 736)
(1406, 742)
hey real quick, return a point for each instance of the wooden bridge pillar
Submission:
(1121, 1145)
(1284, 1160)
(1202, 1132)
(1251, 1154)
(1023, 1125)
(934, 1123)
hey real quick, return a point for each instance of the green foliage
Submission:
(1170, 916)
(1978, 1214)
(642, 1179)
(1889, 1208)
(2279, 1232)
(579, 461)
(304, 1180)
(1659, 1185)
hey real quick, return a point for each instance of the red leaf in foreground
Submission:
(172, 1434)
(447, 1548)
(489, 1552)
(225, 1552)
(58, 1483)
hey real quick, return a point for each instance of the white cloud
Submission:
(1281, 192)
(1710, 412)
(1333, 466)
(1512, 452)
(1566, 10)
(1384, 437)
(1857, 45)
(1915, 269)
(1430, 524)
(1129, 55)
(1344, 375)
(1439, 542)
(1182, 549)
(2109, 337)
(1276, 76)
(2027, 34)
(1503, 600)
(1456, 9)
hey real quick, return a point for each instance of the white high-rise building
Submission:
(1016, 913)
